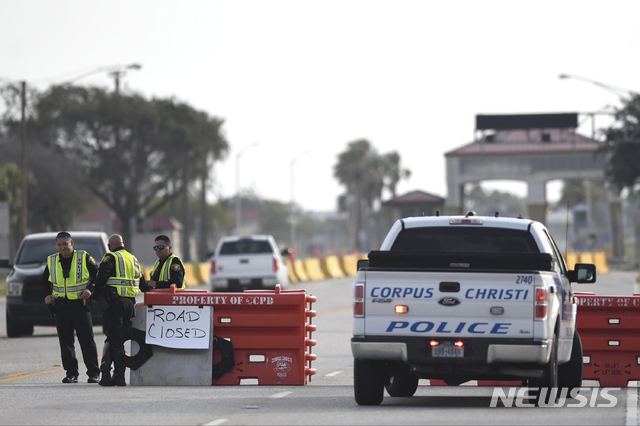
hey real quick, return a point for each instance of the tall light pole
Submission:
(293, 218)
(613, 89)
(238, 205)
(615, 205)
(23, 161)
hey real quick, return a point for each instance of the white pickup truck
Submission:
(248, 262)
(461, 298)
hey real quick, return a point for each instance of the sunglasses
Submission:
(156, 248)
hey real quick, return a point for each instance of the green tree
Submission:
(130, 150)
(623, 144)
(53, 194)
(365, 173)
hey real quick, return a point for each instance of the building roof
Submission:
(510, 142)
(415, 197)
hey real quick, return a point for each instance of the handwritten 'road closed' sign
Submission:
(182, 327)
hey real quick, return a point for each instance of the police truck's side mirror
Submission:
(583, 273)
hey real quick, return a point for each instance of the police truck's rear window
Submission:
(245, 247)
(465, 240)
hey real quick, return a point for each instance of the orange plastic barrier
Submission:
(313, 269)
(610, 333)
(190, 279)
(290, 271)
(202, 272)
(350, 265)
(331, 267)
(298, 269)
(269, 333)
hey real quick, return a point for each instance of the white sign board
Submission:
(182, 327)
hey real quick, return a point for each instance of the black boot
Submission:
(106, 376)
(105, 366)
(118, 380)
(119, 367)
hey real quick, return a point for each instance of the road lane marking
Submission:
(632, 406)
(280, 395)
(216, 422)
(30, 375)
(335, 311)
(17, 374)
(335, 373)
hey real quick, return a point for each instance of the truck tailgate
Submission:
(244, 265)
(450, 304)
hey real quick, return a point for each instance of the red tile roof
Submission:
(523, 142)
(415, 197)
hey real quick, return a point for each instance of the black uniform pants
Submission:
(75, 316)
(117, 327)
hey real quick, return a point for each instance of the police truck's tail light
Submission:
(434, 343)
(541, 303)
(401, 309)
(458, 343)
(213, 266)
(275, 265)
(358, 300)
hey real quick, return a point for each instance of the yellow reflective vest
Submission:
(165, 273)
(126, 273)
(78, 275)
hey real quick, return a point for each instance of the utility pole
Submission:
(23, 161)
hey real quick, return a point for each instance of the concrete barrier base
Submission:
(169, 366)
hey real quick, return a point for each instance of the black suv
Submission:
(25, 289)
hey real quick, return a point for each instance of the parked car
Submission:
(25, 306)
(248, 262)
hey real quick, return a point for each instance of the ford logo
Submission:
(448, 301)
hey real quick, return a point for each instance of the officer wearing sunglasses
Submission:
(169, 268)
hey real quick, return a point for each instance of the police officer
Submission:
(117, 285)
(68, 279)
(168, 269)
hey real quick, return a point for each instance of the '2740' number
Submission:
(524, 279)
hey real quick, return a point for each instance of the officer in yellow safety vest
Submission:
(117, 285)
(68, 284)
(168, 269)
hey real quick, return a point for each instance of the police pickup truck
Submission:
(461, 298)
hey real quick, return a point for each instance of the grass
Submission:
(3, 286)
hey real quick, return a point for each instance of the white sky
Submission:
(311, 76)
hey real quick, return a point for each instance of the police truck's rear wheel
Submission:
(368, 381)
(570, 373)
(402, 385)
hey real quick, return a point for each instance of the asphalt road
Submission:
(31, 391)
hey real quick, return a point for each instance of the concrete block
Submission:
(170, 366)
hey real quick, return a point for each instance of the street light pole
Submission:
(293, 218)
(615, 206)
(238, 205)
(23, 161)
(613, 89)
